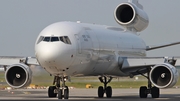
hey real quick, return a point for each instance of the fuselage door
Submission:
(78, 43)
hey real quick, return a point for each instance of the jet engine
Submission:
(18, 75)
(163, 75)
(131, 17)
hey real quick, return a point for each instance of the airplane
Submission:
(66, 49)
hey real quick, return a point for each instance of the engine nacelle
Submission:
(164, 75)
(18, 75)
(131, 17)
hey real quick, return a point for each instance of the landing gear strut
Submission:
(61, 90)
(106, 89)
(144, 91)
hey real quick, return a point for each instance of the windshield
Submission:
(64, 39)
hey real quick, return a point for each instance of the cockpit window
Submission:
(40, 39)
(47, 39)
(54, 39)
(64, 39)
(67, 40)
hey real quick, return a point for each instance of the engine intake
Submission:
(131, 17)
(125, 13)
(18, 75)
(164, 75)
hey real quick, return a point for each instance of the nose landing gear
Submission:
(61, 90)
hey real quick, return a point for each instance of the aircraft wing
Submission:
(161, 46)
(135, 65)
(9, 60)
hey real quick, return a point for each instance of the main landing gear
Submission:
(62, 91)
(106, 89)
(144, 91)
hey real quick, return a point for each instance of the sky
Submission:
(22, 20)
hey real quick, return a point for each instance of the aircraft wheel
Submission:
(143, 92)
(155, 92)
(60, 96)
(100, 92)
(51, 91)
(66, 93)
(109, 92)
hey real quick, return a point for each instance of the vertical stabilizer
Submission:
(136, 3)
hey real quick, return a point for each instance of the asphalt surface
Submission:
(172, 94)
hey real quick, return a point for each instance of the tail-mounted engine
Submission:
(130, 16)
(163, 75)
(18, 75)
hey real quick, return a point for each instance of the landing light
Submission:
(65, 79)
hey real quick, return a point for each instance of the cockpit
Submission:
(64, 39)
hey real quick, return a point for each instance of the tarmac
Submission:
(172, 94)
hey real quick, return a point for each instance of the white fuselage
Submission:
(78, 49)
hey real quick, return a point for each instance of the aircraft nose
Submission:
(48, 53)
(54, 55)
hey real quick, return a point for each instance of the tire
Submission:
(66, 93)
(109, 92)
(143, 92)
(155, 92)
(51, 93)
(100, 92)
(60, 96)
